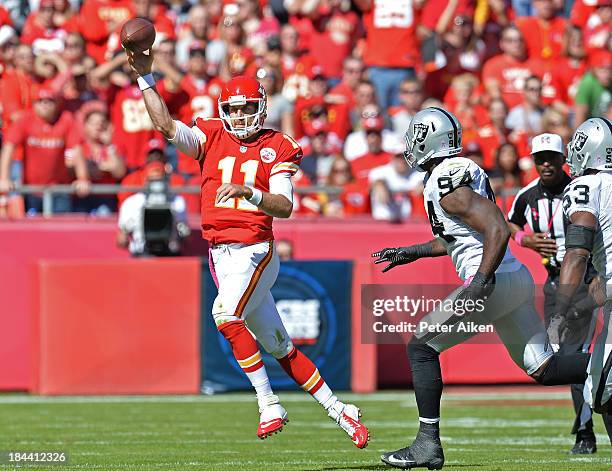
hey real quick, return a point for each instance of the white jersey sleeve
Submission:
(463, 244)
(582, 195)
(593, 194)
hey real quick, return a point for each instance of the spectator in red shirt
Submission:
(504, 75)
(48, 137)
(355, 196)
(495, 133)
(317, 159)
(543, 32)
(295, 64)
(228, 52)
(41, 32)
(98, 19)
(334, 33)
(352, 74)
(569, 69)
(18, 85)
(465, 105)
(391, 49)
(155, 152)
(104, 164)
(375, 156)
(463, 52)
(133, 128)
(8, 43)
(411, 98)
(356, 143)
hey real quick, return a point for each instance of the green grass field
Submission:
(482, 429)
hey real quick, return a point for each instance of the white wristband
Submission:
(146, 81)
(256, 198)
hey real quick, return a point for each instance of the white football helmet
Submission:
(590, 147)
(433, 133)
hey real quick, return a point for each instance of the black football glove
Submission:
(401, 255)
(479, 288)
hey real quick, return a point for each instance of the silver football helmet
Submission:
(433, 133)
(590, 147)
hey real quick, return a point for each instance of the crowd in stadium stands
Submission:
(343, 78)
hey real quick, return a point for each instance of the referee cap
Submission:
(547, 142)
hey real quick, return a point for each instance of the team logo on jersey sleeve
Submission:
(267, 155)
(579, 141)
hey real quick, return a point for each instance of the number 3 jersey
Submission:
(230, 160)
(463, 244)
(593, 194)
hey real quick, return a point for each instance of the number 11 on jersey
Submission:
(249, 168)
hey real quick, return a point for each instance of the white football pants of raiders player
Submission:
(244, 275)
(510, 308)
(598, 386)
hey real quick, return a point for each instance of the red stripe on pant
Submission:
(242, 342)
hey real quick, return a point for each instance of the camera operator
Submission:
(153, 222)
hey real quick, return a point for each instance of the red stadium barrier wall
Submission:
(24, 243)
(116, 327)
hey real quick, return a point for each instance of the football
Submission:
(137, 34)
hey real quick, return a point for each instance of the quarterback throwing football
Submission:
(246, 173)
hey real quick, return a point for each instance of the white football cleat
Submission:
(271, 420)
(347, 417)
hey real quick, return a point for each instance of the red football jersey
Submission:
(133, 127)
(44, 147)
(227, 159)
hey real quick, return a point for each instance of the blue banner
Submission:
(314, 302)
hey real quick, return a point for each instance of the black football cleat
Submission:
(585, 443)
(425, 452)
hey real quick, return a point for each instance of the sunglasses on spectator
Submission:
(338, 170)
(46, 8)
(353, 70)
(513, 40)
(533, 89)
(410, 91)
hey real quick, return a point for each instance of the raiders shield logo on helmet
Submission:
(579, 141)
(420, 132)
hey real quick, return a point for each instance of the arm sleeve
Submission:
(280, 184)
(189, 141)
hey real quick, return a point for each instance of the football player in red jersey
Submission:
(246, 172)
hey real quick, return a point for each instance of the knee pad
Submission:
(276, 344)
(219, 314)
(536, 353)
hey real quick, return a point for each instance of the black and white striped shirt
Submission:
(536, 205)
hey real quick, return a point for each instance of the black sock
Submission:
(607, 418)
(565, 369)
(426, 379)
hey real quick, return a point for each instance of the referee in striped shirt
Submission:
(539, 206)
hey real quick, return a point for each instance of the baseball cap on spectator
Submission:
(44, 93)
(6, 34)
(230, 9)
(547, 142)
(600, 59)
(156, 144)
(315, 72)
(197, 47)
(373, 123)
(314, 127)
